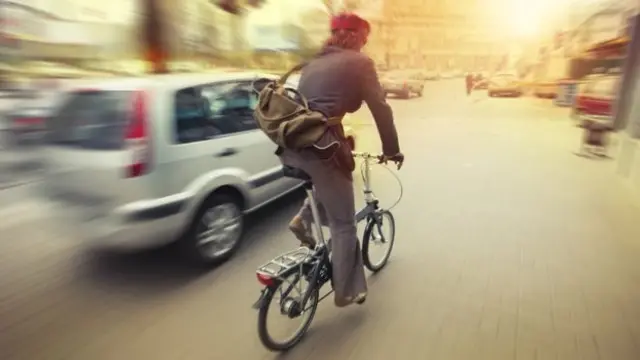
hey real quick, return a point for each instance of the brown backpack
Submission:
(284, 116)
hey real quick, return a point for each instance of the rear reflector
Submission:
(138, 141)
(265, 279)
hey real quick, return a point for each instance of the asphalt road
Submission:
(508, 247)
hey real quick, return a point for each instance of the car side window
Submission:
(192, 117)
(208, 111)
(232, 106)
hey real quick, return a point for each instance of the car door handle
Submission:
(227, 152)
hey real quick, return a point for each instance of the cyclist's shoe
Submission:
(358, 299)
(302, 231)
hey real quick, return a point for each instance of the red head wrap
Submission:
(350, 22)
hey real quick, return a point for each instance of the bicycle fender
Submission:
(264, 294)
(368, 228)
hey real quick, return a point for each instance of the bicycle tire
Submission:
(366, 239)
(263, 332)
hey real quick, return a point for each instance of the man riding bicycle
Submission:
(337, 81)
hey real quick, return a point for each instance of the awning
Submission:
(616, 46)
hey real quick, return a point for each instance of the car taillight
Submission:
(25, 121)
(265, 280)
(137, 138)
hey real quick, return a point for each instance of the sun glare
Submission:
(524, 24)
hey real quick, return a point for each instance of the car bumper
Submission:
(396, 90)
(134, 227)
(506, 91)
(595, 118)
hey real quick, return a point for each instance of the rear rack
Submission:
(282, 264)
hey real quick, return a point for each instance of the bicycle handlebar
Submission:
(380, 158)
(366, 155)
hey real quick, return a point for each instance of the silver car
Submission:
(403, 83)
(139, 163)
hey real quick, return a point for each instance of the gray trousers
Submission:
(334, 195)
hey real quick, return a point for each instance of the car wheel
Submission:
(216, 230)
(420, 91)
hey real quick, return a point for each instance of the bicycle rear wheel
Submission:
(379, 234)
(288, 295)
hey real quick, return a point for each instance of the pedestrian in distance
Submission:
(469, 83)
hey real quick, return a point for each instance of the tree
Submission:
(155, 34)
(306, 47)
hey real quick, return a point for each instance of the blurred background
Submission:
(127, 138)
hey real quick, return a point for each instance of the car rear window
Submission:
(94, 120)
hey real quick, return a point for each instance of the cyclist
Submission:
(337, 81)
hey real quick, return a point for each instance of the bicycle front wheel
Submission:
(377, 241)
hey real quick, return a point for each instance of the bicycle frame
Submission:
(320, 255)
(371, 203)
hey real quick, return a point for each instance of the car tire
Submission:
(201, 252)
(420, 92)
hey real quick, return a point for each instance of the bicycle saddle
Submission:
(295, 173)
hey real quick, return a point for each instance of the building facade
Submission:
(48, 29)
(628, 113)
(434, 35)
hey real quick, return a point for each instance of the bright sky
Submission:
(525, 18)
(274, 11)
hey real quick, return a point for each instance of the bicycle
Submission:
(313, 266)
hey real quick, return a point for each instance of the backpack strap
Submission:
(335, 120)
(283, 78)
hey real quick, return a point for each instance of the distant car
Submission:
(403, 83)
(480, 82)
(546, 89)
(24, 129)
(27, 120)
(504, 85)
(595, 97)
(430, 75)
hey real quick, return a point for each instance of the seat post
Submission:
(317, 220)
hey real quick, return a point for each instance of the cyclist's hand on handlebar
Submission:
(398, 159)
